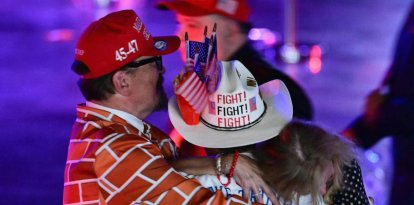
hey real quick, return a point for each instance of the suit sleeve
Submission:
(132, 170)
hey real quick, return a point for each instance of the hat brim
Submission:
(183, 8)
(172, 43)
(279, 112)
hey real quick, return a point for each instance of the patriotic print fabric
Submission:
(194, 91)
(200, 50)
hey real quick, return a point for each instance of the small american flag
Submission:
(201, 49)
(213, 69)
(194, 91)
(212, 107)
(213, 75)
(194, 87)
(252, 104)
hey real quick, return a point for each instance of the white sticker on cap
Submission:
(228, 6)
(160, 45)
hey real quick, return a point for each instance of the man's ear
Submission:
(122, 83)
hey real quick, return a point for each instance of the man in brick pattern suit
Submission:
(114, 157)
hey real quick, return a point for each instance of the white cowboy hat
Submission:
(236, 114)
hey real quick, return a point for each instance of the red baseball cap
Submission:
(235, 9)
(116, 40)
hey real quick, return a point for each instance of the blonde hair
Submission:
(293, 162)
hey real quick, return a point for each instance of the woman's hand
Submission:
(249, 177)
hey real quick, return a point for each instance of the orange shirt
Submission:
(112, 162)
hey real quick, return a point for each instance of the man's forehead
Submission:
(195, 19)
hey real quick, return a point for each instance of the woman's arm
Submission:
(246, 173)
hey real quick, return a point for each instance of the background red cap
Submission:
(235, 9)
(116, 40)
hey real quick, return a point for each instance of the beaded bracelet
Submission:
(233, 164)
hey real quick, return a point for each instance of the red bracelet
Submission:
(233, 164)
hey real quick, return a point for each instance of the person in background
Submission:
(233, 26)
(389, 111)
(114, 157)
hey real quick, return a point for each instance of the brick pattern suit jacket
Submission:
(112, 162)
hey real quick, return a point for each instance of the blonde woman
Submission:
(300, 161)
(307, 160)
